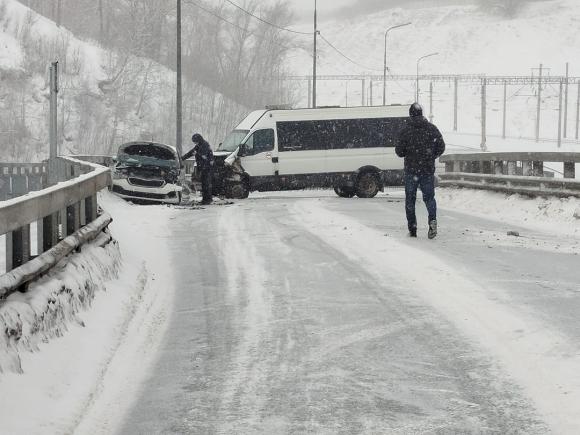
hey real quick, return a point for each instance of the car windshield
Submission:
(147, 155)
(232, 141)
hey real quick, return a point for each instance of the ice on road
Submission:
(298, 314)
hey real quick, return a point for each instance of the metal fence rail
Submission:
(20, 178)
(512, 172)
(59, 211)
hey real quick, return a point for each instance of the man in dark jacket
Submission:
(205, 162)
(420, 143)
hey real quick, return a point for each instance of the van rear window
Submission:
(339, 133)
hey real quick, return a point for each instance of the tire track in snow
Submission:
(246, 290)
(539, 359)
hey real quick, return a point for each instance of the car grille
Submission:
(146, 195)
(146, 183)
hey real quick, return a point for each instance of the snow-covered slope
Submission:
(468, 39)
(106, 98)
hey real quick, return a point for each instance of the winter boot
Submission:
(432, 229)
(413, 232)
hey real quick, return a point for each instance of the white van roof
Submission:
(394, 111)
(249, 121)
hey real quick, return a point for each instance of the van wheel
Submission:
(344, 192)
(238, 191)
(367, 185)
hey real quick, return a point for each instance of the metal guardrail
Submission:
(60, 211)
(513, 172)
(18, 179)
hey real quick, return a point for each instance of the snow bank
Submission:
(53, 302)
(554, 215)
(90, 331)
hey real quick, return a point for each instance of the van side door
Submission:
(258, 151)
(301, 149)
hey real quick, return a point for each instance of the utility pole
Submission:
(539, 108)
(179, 97)
(385, 61)
(431, 102)
(484, 115)
(560, 114)
(309, 93)
(578, 113)
(504, 109)
(314, 58)
(455, 101)
(53, 124)
(566, 100)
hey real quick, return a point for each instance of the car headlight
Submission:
(119, 175)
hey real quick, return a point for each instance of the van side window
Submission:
(335, 134)
(299, 136)
(260, 141)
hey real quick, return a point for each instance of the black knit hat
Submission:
(196, 138)
(415, 110)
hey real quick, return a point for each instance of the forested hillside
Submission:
(117, 73)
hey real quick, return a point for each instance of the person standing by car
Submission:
(205, 161)
(420, 143)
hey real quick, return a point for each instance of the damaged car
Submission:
(148, 171)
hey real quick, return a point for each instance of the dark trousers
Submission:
(206, 186)
(427, 184)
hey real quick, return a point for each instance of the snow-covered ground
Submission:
(85, 379)
(96, 342)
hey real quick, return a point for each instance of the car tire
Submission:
(238, 191)
(367, 185)
(344, 192)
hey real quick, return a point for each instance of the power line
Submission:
(346, 57)
(261, 38)
(267, 22)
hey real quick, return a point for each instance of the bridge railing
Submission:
(514, 172)
(18, 179)
(65, 214)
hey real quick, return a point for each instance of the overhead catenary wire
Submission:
(267, 22)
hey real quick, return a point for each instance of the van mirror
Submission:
(243, 150)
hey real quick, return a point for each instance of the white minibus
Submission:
(350, 149)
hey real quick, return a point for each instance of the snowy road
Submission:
(313, 314)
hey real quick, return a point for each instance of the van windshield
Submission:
(232, 141)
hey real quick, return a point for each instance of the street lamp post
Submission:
(314, 58)
(418, 62)
(385, 61)
(179, 94)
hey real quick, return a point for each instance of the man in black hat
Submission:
(420, 143)
(205, 162)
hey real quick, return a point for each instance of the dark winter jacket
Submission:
(420, 143)
(203, 155)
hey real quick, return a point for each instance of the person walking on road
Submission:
(205, 162)
(420, 143)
